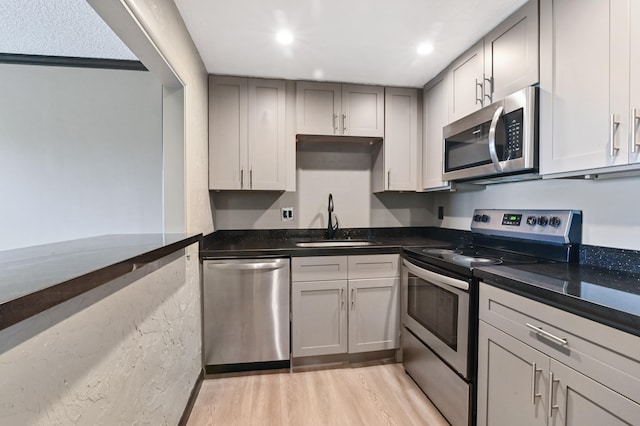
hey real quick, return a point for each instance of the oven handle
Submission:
(435, 278)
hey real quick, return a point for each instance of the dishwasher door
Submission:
(246, 311)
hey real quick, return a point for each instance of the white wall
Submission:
(81, 153)
(345, 173)
(610, 206)
(123, 353)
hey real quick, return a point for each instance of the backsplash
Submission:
(346, 175)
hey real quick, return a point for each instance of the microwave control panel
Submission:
(513, 134)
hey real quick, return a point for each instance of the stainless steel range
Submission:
(439, 296)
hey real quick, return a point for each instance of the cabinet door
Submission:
(267, 137)
(584, 60)
(435, 118)
(318, 107)
(511, 54)
(227, 132)
(512, 380)
(373, 314)
(319, 318)
(362, 110)
(466, 76)
(579, 400)
(401, 139)
(634, 119)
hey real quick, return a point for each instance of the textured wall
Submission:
(124, 353)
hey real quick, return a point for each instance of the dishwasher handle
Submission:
(253, 266)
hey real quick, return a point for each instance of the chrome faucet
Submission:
(331, 228)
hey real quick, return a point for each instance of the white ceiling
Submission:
(357, 41)
(57, 28)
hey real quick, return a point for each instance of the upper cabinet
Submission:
(435, 118)
(466, 82)
(395, 168)
(511, 54)
(505, 61)
(339, 109)
(590, 94)
(247, 134)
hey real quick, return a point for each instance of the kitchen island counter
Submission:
(34, 279)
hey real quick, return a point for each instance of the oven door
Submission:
(435, 308)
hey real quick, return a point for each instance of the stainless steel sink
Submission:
(336, 243)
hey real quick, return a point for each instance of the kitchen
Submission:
(599, 200)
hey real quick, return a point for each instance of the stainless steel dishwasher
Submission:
(246, 311)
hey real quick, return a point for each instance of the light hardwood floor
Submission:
(370, 395)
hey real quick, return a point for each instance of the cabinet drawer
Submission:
(319, 268)
(374, 266)
(608, 355)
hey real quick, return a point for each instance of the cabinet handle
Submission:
(534, 372)
(389, 179)
(490, 95)
(342, 299)
(547, 334)
(479, 99)
(634, 130)
(344, 123)
(613, 125)
(335, 123)
(552, 381)
(353, 299)
(251, 177)
(241, 178)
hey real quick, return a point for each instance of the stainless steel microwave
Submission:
(500, 139)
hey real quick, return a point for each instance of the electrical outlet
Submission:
(286, 214)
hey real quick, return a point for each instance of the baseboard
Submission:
(192, 399)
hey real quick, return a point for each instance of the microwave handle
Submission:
(492, 138)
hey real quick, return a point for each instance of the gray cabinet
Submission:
(396, 167)
(466, 78)
(503, 62)
(339, 109)
(541, 365)
(247, 134)
(344, 304)
(435, 118)
(511, 54)
(589, 86)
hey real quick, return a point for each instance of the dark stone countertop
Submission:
(278, 243)
(34, 279)
(610, 297)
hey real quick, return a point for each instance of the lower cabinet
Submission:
(355, 309)
(526, 376)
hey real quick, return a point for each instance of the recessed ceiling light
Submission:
(425, 48)
(284, 37)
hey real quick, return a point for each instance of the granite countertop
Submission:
(34, 279)
(611, 297)
(275, 243)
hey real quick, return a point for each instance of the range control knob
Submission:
(477, 218)
(532, 220)
(543, 221)
(485, 218)
(554, 221)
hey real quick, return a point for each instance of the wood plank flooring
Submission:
(370, 395)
